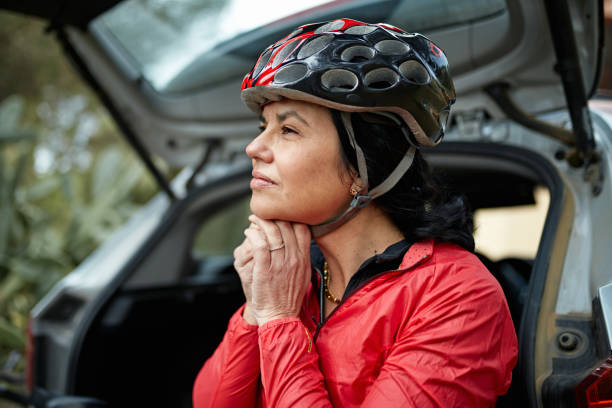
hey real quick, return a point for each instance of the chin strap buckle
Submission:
(360, 201)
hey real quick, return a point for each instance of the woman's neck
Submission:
(369, 233)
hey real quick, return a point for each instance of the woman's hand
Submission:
(277, 279)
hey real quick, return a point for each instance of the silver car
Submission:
(132, 325)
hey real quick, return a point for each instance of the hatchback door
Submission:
(170, 71)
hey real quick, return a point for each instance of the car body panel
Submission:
(84, 284)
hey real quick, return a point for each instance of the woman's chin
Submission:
(264, 210)
(269, 211)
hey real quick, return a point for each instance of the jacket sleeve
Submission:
(290, 372)
(457, 350)
(230, 377)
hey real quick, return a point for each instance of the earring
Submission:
(355, 189)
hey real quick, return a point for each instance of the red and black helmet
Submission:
(353, 66)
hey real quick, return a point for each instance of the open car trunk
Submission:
(148, 340)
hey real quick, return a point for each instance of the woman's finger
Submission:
(302, 236)
(287, 233)
(259, 245)
(243, 253)
(288, 237)
(270, 230)
(241, 261)
(276, 245)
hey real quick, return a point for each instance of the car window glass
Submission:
(166, 36)
(163, 39)
(515, 231)
(222, 231)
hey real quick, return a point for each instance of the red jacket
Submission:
(434, 333)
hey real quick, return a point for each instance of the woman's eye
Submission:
(285, 130)
(261, 128)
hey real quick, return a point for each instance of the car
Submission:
(133, 324)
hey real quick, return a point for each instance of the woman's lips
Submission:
(260, 181)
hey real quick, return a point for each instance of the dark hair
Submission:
(417, 204)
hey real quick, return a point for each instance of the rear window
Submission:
(511, 232)
(168, 40)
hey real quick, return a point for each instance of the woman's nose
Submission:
(259, 149)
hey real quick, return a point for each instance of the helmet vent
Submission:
(284, 52)
(360, 29)
(315, 45)
(357, 53)
(263, 60)
(331, 26)
(294, 33)
(415, 72)
(392, 47)
(381, 78)
(339, 80)
(290, 73)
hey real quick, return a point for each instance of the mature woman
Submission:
(360, 282)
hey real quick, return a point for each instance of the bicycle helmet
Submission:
(352, 66)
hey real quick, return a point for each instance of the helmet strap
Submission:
(363, 197)
(361, 163)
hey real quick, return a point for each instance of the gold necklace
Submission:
(328, 293)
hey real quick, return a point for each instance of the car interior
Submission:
(170, 308)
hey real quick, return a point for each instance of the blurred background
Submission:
(68, 179)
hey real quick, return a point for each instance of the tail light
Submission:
(30, 357)
(596, 389)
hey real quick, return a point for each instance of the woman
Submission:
(389, 306)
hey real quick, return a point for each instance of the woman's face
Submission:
(298, 173)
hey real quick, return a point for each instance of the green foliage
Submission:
(51, 221)
(67, 180)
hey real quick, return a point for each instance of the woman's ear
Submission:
(356, 186)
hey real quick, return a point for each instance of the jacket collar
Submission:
(393, 253)
(412, 254)
(419, 252)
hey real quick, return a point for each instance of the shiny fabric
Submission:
(436, 332)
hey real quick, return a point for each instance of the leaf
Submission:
(7, 194)
(67, 187)
(10, 285)
(11, 336)
(23, 269)
(11, 109)
(105, 172)
(41, 189)
(10, 112)
(110, 187)
(6, 219)
(14, 136)
(18, 173)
